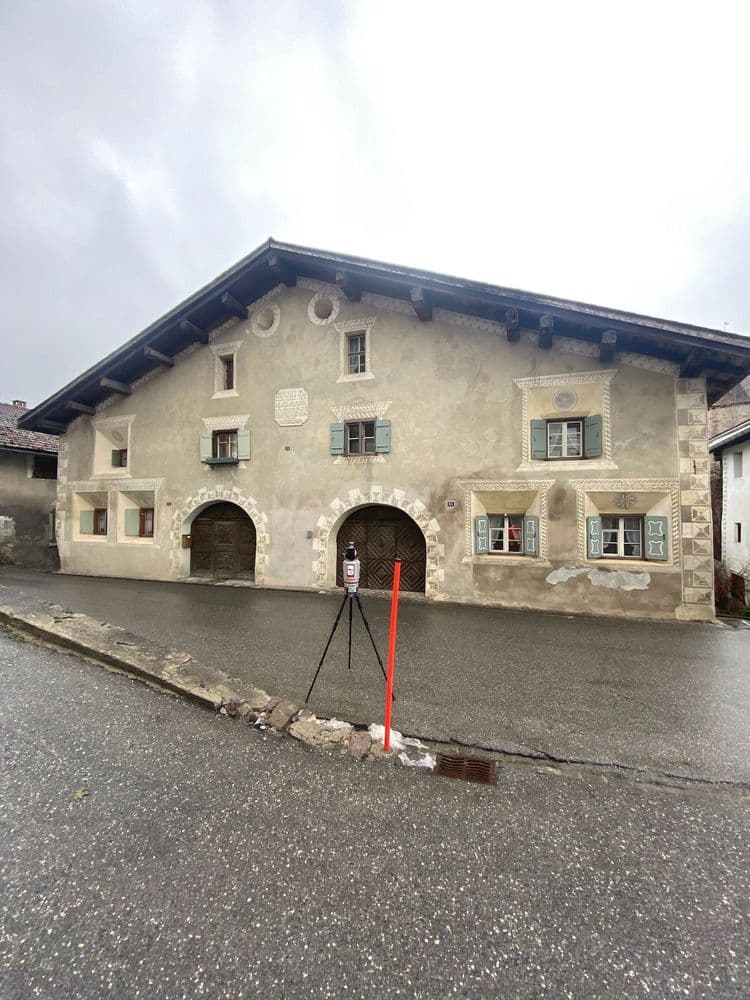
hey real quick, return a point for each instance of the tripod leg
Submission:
(367, 626)
(349, 662)
(330, 637)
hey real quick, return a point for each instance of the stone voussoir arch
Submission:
(324, 539)
(193, 505)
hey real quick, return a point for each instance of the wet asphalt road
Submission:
(210, 860)
(669, 696)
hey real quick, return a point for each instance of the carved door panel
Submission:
(226, 555)
(382, 535)
(223, 543)
(202, 548)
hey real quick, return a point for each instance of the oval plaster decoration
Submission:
(323, 308)
(265, 320)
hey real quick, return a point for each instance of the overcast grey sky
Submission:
(595, 151)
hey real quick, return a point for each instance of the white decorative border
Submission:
(233, 423)
(670, 487)
(603, 378)
(538, 486)
(109, 423)
(354, 326)
(117, 486)
(313, 316)
(312, 285)
(392, 305)
(324, 567)
(258, 330)
(190, 507)
(361, 411)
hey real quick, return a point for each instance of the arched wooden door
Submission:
(223, 543)
(382, 535)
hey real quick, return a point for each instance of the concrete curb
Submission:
(179, 672)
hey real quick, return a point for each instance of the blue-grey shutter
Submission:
(382, 436)
(132, 521)
(594, 537)
(206, 446)
(657, 546)
(337, 439)
(538, 438)
(481, 534)
(116, 463)
(531, 536)
(592, 436)
(243, 445)
(87, 522)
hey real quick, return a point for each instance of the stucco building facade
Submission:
(511, 449)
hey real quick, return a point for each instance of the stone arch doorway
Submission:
(223, 543)
(383, 534)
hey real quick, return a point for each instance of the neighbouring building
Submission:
(28, 489)
(511, 449)
(731, 448)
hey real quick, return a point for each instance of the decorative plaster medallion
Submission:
(265, 319)
(290, 407)
(323, 308)
(624, 501)
(564, 400)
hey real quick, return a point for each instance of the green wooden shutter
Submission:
(657, 547)
(87, 522)
(481, 534)
(592, 436)
(538, 438)
(337, 439)
(132, 521)
(206, 446)
(116, 458)
(594, 536)
(243, 445)
(531, 536)
(382, 436)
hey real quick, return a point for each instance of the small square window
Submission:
(100, 521)
(120, 458)
(506, 534)
(360, 437)
(225, 445)
(44, 467)
(565, 439)
(356, 346)
(622, 536)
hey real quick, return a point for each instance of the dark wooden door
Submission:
(382, 535)
(223, 543)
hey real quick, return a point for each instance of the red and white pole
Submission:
(391, 654)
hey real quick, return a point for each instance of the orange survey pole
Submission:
(391, 654)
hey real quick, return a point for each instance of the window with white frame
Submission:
(355, 349)
(565, 438)
(506, 534)
(356, 353)
(622, 536)
(112, 453)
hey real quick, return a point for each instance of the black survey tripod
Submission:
(350, 596)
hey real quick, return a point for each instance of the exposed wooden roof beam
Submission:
(421, 304)
(349, 286)
(233, 306)
(53, 426)
(693, 365)
(114, 386)
(80, 407)
(153, 355)
(607, 346)
(512, 329)
(194, 331)
(546, 326)
(280, 271)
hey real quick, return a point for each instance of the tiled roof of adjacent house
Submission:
(733, 435)
(11, 436)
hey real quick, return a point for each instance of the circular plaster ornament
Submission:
(564, 400)
(323, 308)
(265, 320)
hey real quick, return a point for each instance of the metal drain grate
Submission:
(479, 769)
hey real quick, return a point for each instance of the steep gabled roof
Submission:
(724, 358)
(13, 438)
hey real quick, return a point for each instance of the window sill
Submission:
(224, 393)
(358, 459)
(98, 539)
(362, 377)
(568, 465)
(221, 461)
(135, 540)
(112, 474)
(490, 560)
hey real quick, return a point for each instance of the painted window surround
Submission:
(518, 496)
(228, 348)
(532, 407)
(236, 422)
(344, 329)
(360, 411)
(646, 497)
(111, 434)
(115, 496)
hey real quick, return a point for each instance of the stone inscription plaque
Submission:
(290, 407)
